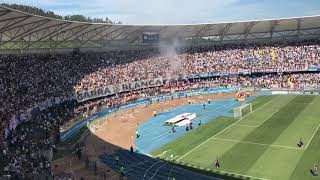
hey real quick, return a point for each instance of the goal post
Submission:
(242, 110)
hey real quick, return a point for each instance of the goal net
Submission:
(243, 110)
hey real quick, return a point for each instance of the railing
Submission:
(77, 126)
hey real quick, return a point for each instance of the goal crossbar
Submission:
(242, 110)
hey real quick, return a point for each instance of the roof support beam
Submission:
(59, 26)
(248, 28)
(106, 35)
(2, 13)
(204, 29)
(273, 26)
(299, 21)
(25, 33)
(8, 27)
(95, 35)
(60, 31)
(224, 31)
(68, 37)
(132, 33)
(85, 32)
(115, 37)
(163, 28)
(13, 18)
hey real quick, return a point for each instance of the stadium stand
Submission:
(37, 83)
(37, 91)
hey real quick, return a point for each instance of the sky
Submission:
(179, 11)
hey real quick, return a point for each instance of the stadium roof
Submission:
(20, 30)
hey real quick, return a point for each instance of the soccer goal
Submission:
(243, 110)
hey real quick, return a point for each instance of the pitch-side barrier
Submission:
(84, 122)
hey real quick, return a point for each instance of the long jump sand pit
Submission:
(118, 131)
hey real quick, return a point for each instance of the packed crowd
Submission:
(296, 81)
(47, 81)
(29, 148)
(172, 66)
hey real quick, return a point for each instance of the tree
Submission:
(51, 14)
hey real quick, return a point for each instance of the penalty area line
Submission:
(315, 132)
(222, 131)
(245, 125)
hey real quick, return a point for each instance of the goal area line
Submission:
(259, 144)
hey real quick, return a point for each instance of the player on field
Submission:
(314, 170)
(300, 144)
(217, 163)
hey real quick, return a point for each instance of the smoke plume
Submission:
(176, 68)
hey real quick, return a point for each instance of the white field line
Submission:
(167, 134)
(244, 125)
(262, 121)
(145, 173)
(313, 136)
(260, 144)
(160, 161)
(221, 131)
(268, 117)
(155, 173)
(132, 167)
(243, 175)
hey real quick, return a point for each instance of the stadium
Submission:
(82, 100)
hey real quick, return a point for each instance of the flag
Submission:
(273, 55)
(290, 82)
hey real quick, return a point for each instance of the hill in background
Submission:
(51, 14)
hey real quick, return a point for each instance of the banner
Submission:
(314, 68)
(244, 71)
(206, 75)
(264, 70)
(117, 88)
(150, 37)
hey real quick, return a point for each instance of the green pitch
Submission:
(261, 145)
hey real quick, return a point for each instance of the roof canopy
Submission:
(20, 30)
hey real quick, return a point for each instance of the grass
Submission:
(261, 145)
(181, 145)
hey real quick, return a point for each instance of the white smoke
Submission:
(174, 60)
